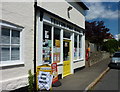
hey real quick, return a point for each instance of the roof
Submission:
(83, 5)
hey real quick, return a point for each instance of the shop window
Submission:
(47, 44)
(75, 47)
(56, 46)
(9, 44)
(80, 47)
(66, 34)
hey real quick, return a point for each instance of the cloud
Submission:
(116, 37)
(98, 10)
(100, 0)
(119, 36)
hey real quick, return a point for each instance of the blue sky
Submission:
(104, 11)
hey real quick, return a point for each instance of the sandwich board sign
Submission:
(44, 77)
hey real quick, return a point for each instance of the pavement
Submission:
(83, 77)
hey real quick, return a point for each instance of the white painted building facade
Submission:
(60, 39)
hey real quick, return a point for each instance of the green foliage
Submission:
(119, 44)
(31, 81)
(111, 45)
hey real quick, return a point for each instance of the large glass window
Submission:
(80, 47)
(9, 44)
(66, 34)
(75, 47)
(47, 44)
(56, 46)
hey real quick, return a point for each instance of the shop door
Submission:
(66, 57)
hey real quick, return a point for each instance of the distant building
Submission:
(60, 39)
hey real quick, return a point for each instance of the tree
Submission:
(111, 45)
(119, 42)
(96, 32)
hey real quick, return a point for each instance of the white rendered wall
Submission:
(60, 9)
(20, 13)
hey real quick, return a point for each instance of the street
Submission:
(83, 77)
(109, 82)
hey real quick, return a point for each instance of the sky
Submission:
(104, 10)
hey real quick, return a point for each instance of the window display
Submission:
(79, 47)
(75, 47)
(47, 46)
(66, 34)
(56, 47)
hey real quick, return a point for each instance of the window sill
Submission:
(11, 64)
(78, 60)
(60, 64)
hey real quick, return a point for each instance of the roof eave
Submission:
(83, 5)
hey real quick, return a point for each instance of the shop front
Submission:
(61, 42)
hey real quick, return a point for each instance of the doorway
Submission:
(66, 58)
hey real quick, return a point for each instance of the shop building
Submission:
(61, 35)
(60, 38)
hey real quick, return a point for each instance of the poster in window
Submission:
(66, 44)
(56, 51)
(75, 53)
(47, 52)
(57, 43)
(46, 34)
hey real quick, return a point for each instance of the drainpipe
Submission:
(35, 13)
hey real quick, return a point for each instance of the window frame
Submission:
(79, 44)
(75, 58)
(52, 37)
(11, 26)
(62, 29)
(54, 43)
(80, 47)
(51, 51)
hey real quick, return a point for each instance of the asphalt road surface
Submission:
(111, 81)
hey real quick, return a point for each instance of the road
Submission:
(111, 81)
(82, 77)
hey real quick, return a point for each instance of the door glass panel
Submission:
(66, 52)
